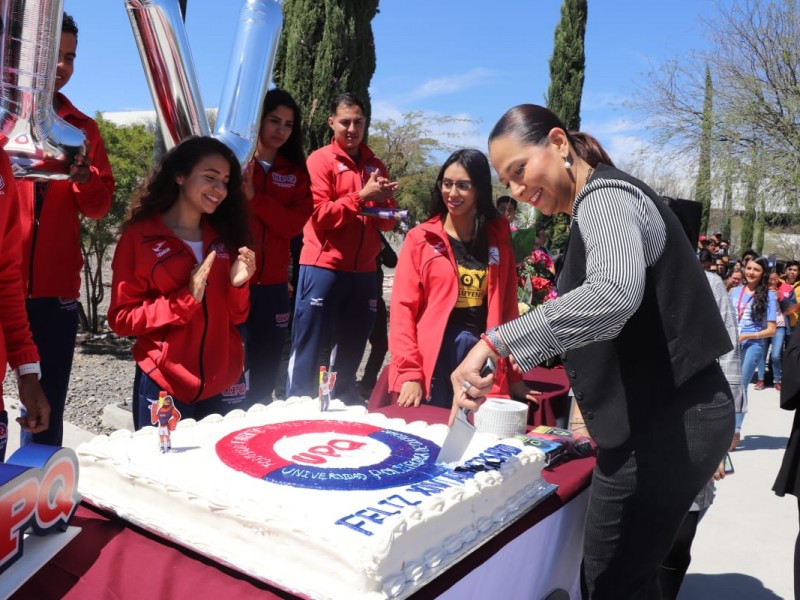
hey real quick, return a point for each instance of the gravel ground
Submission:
(102, 372)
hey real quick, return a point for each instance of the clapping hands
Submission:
(244, 267)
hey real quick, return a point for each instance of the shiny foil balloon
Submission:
(249, 72)
(167, 60)
(166, 57)
(40, 144)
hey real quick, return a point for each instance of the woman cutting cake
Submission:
(639, 334)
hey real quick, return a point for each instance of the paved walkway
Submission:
(744, 546)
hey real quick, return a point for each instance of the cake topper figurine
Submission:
(326, 382)
(165, 416)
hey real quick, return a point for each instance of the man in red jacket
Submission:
(16, 344)
(336, 298)
(51, 253)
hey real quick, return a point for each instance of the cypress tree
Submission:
(568, 64)
(749, 214)
(326, 48)
(567, 68)
(727, 205)
(761, 224)
(702, 189)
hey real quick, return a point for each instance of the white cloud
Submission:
(611, 127)
(383, 110)
(451, 84)
(601, 100)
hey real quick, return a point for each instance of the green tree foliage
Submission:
(749, 214)
(568, 64)
(727, 206)
(409, 148)
(326, 48)
(754, 57)
(567, 68)
(703, 184)
(130, 151)
(761, 221)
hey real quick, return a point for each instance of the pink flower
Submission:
(540, 255)
(539, 283)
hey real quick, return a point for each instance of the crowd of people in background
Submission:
(777, 281)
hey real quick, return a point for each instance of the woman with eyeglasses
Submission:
(455, 277)
(639, 333)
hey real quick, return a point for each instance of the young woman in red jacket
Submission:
(277, 185)
(455, 278)
(179, 286)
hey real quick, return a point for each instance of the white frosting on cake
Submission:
(332, 544)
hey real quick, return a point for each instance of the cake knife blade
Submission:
(461, 432)
(458, 438)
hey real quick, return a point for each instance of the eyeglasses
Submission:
(462, 186)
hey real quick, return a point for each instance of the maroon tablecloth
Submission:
(553, 399)
(114, 559)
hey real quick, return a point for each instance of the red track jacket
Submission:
(16, 343)
(191, 349)
(337, 237)
(425, 292)
(281, 207)
(51, 251)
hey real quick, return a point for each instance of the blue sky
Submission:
(466, 58)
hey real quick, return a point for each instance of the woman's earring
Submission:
(567, 163)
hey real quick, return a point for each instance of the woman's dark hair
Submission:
(530, 124)
(477, 166)
(292, 150)
(761, 295)
(231, 218)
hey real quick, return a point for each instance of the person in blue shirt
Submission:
(755, 306)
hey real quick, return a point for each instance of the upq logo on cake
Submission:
(330, 455)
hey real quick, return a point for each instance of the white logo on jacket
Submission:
(160, 250)
(438, 247)
(342, 167)
(284, 181)
(220, 249)
(494, 255)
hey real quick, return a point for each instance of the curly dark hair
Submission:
(761, 294)
(68, 25)
(160, 191)
(477, 165)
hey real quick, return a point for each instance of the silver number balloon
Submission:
(249, 72)
(164, 50)
(167, 60)
(40, 144)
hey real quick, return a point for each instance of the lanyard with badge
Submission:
(740, 310)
